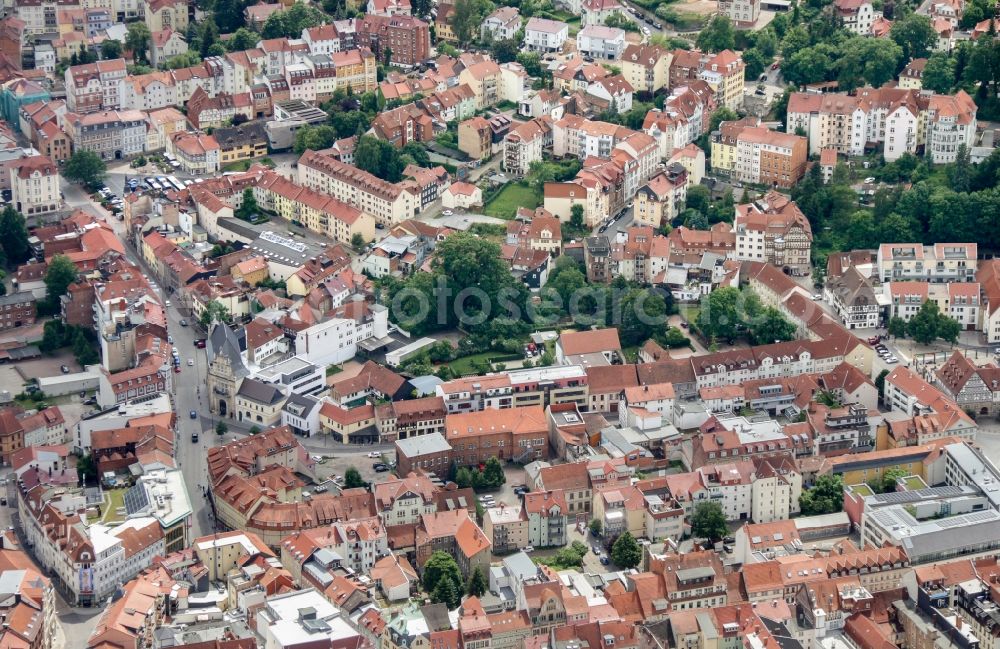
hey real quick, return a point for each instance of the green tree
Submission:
(897, 327)
(440, 565)
(596, 527)
(86, 168)
(467, 17)
(861, 230)
(228, 15)
(699, 198)
(718, 35)
(137, 40)
(643, 312)
(463, 478)
(184, 60)
(948, 329)
(243, 39)
(291, 22)
(221, 428)
(477, 583)
(446, 592)
(923, 326)
(576, 217)
(378, 158)
(53, 336)
(880, 383)
(249, 208)
(58, 276)
(352, 479)
(111, 49)
(14, 236)
(214, 312)
(939, 73)
(84, 349)
(889, 478)
(720, 314)
(314, 138)
(86, 468)
(915, 35)
(771, 327)
(825, 497)
(626, 552)
(532, 62)
(493, 473)
(708, 521)
(357, 241)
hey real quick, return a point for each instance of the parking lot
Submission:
(336, 464)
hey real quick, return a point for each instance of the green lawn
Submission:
(463, 366)
(243, 165)
(914, 483)
(504, 205)
(113, 500)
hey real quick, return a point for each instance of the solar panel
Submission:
(136, 500)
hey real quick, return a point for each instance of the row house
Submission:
(410, 418)
(390, 204)
(899, 120)
(95, 86)
(113, 135)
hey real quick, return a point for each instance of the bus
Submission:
(176, 183)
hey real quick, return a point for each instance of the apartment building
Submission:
(936, 263)
(767, 157)
(723, 72)
(355, 69)
(525, 144)
(388, 203)
(742, 12)
(660, 200)
(646, 67)
(503, 24)
(407, 37)
(774, 230)
(858, 16)
(899, 120)
(34, 185)
(600, 42)
(94, 86)
(544, 35)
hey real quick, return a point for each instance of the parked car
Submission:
(184, 323)
(529, 549)
(194, 437)
(190, 362)
(64, 369)
(604, 561)
(194, 414)
(380, 467)
(200, 343)
(374, 454)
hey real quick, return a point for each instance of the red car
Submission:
(177, 369)
(776, 65)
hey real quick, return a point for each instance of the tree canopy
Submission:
(708, 521)
(86, 168)
(825, 497)
(626, 552)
